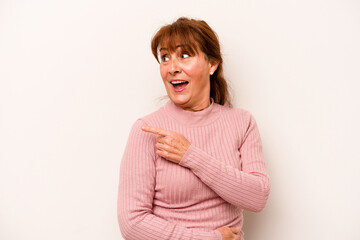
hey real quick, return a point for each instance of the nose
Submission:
(174, 67)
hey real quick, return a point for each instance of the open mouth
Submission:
(179, 85)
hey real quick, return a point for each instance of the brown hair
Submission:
(195, 35)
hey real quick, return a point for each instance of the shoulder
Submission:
(236, 114)
(239, 119)
(137, 135)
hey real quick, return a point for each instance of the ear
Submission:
(213, 66)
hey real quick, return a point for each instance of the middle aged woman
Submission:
(192, 167)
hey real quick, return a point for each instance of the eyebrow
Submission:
(177, 46)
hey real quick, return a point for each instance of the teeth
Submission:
(178, 82)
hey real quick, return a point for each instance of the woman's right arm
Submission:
(136, 194)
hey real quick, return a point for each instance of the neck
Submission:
(193, 118)
(201, 106)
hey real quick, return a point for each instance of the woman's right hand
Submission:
(229, 233)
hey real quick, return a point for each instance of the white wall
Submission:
(75, 75)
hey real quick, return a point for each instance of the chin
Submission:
(180, 100)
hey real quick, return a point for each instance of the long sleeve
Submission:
(136, 193)
(247, 187)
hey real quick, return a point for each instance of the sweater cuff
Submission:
(189, 158)
(201, 164)
(217, 235)
(213, 235)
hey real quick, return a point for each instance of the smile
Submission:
(179, 85)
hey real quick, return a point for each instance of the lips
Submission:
(179, 85)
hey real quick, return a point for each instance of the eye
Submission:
(165, 58)
(185, 55)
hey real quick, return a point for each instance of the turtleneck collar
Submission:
(191, 118)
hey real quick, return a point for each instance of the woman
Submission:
(191, 168)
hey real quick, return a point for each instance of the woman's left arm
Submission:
(247, 188)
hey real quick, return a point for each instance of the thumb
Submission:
(235, 230)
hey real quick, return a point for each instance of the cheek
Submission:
(163, 72)
(196, 71)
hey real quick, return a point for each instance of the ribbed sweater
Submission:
(221, 174)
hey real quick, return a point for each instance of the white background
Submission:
(76, 74)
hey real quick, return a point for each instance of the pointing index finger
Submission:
(155, 130)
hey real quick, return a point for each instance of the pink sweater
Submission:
(222, 173)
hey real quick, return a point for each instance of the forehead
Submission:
(172, 43)
(171, 48)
